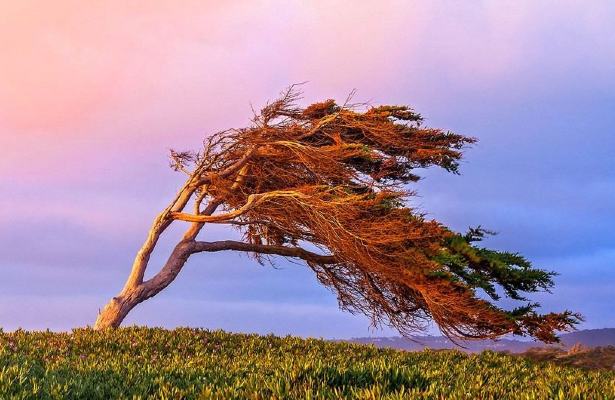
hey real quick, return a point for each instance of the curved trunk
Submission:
(114, 312)
(135, 290)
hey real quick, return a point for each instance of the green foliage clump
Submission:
(145, 363)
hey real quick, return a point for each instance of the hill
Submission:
(588, 338)
(188, 364)
(578, 355)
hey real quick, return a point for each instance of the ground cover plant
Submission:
(140, 363)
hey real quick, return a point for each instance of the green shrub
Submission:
(145, 363)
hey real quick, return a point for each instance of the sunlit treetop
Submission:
(330, 184)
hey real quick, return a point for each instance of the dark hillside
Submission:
(588, 338)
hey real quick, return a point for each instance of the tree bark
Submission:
(135, 290)
(114, 312)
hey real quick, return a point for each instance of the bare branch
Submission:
(239, 164)
(284, 251)
(253, 201)
(160, 224)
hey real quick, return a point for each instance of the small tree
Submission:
(326, 184)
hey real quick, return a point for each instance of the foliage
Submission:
(139, 363)
(333, 179)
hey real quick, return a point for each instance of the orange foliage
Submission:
(333, 178)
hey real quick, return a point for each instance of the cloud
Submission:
(92, 96)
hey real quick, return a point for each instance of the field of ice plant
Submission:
(140, 363)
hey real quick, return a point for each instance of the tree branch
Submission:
(239, 164)
(284, 251)
(160, 224)
(253, 200)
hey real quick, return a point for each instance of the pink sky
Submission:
(93, 94)
(127, 76)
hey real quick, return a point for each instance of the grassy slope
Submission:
(186, 363)
(578, 356)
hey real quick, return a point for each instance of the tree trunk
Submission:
(114, 312)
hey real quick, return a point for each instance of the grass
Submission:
(140, 363)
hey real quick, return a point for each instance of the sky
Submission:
(94, 94)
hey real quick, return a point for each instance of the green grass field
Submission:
(134, 363)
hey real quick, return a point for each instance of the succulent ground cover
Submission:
(140, 363)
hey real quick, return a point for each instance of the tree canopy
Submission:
(330, 184)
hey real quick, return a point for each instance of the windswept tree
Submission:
(327, 184)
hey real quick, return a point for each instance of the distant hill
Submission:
(588, 337)
(601, 357)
